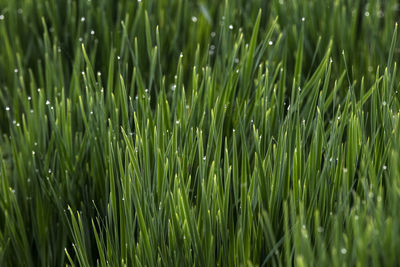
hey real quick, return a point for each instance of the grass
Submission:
(199, 133)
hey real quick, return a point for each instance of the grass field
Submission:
(199, 133)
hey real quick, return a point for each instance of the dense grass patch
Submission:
(199, 133)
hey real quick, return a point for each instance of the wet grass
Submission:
(199, 133)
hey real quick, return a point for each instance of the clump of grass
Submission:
(166, 133)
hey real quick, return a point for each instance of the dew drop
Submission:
(1, 17)
(92, 32)
(343, 251)
(366, 14)
(270, 43)
(7, 108)
(194, 19)
(83, 19)
(231, 27)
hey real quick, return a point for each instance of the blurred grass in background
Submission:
(199, 133)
